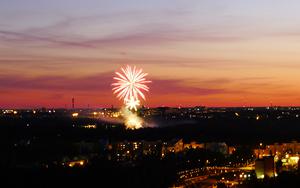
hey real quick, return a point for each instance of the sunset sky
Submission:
(197, 52)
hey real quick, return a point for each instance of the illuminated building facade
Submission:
(280, 150)
(265, 167)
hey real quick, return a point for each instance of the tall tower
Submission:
(73, 103)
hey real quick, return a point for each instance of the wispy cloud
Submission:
(150, 32)
(99, 83)
(136, 38)
(30, 39)
(174, 87)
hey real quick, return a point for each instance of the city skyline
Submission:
(208, 53)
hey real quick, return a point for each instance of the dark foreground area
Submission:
(118, 177)
(141, 176)
(56, 149)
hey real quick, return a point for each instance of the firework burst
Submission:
(130, 85)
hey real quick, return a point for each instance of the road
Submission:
(209, 179)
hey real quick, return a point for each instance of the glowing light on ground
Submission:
(75, 114)
(132, 120)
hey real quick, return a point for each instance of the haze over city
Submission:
(210, 53)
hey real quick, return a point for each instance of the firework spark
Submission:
(132, 104)
(130, 85)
